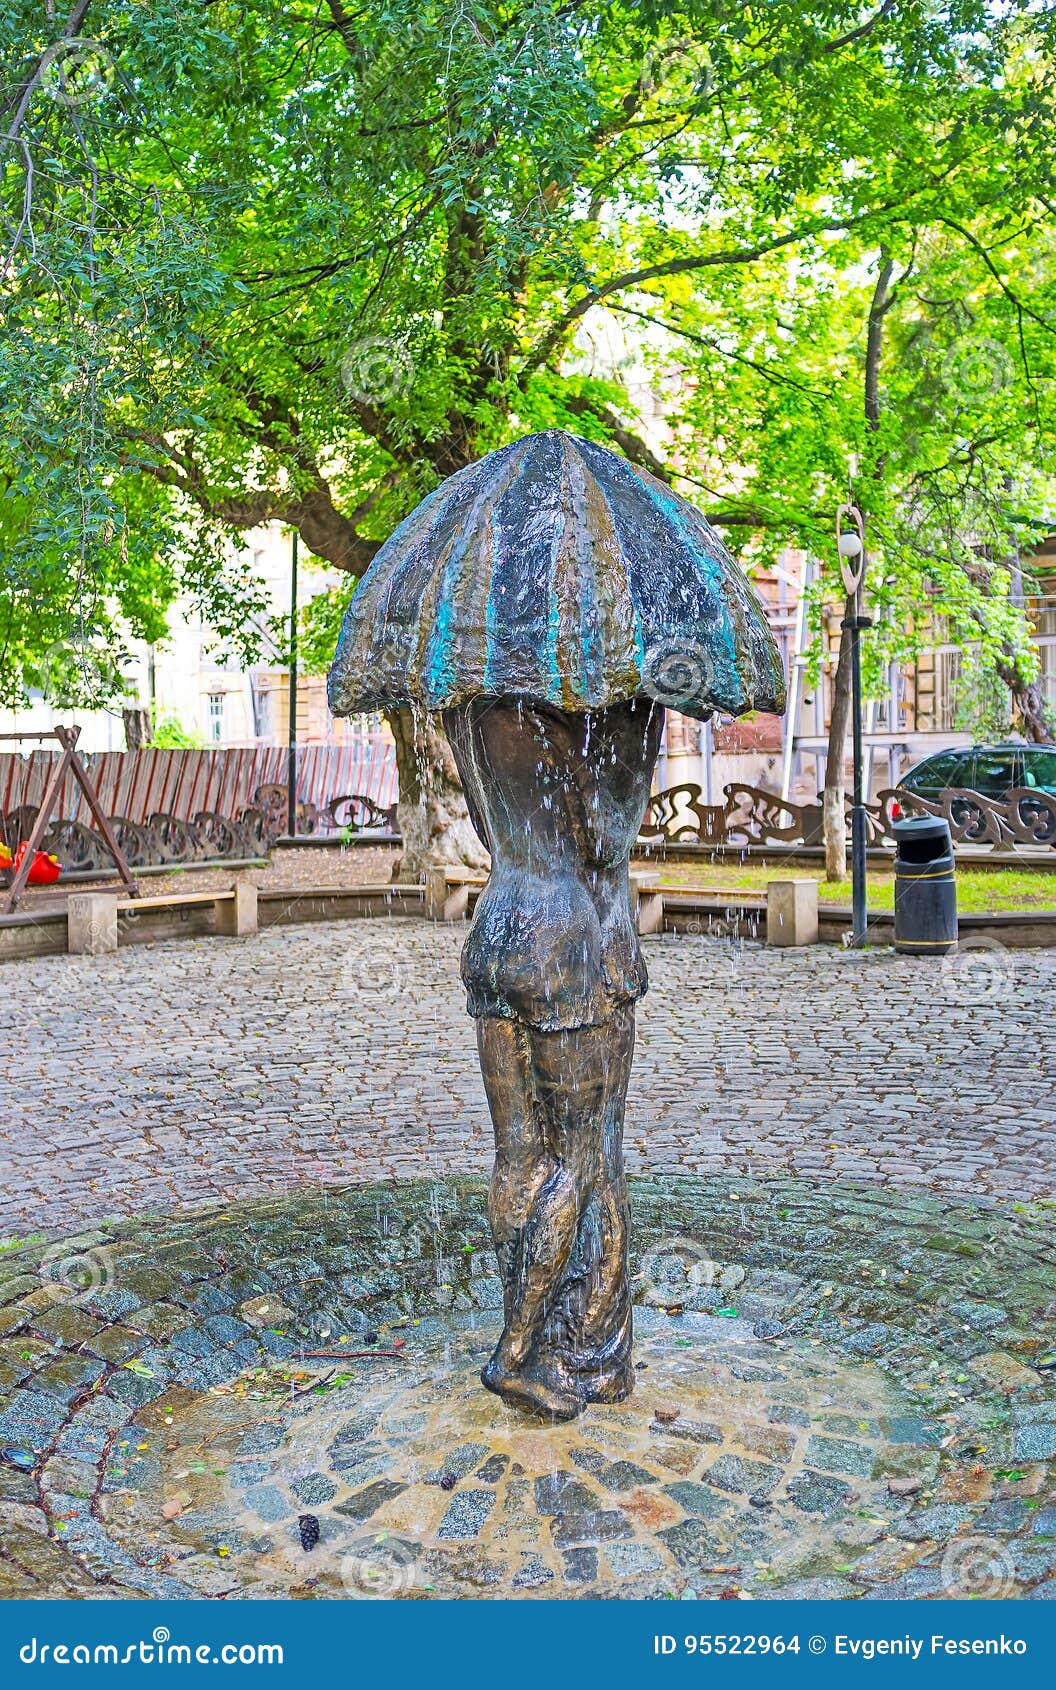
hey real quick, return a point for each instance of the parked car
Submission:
(993, 770)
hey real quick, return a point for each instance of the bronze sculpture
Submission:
(548, 602)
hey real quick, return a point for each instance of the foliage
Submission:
(169, 734)
(982, 706)
(273, 262)
(318, 624)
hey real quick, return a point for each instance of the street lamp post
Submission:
(850, 543)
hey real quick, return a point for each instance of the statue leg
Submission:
(540, 1185)
(520, 1167)
(587, 1337)
(558, 1211)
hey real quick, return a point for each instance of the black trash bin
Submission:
(925, 889)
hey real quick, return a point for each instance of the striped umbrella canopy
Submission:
(555, 570)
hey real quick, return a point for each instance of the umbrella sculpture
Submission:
(548, 602)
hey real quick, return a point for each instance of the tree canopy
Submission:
(298, 260)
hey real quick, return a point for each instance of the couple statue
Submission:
(548, 603)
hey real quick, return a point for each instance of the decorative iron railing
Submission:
(189, 806)
(1025, 817)
(207, 837)
(750, 818)
(754, 817)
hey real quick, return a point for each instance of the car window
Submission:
(1039, 769)
(948, 769)
(994, 773)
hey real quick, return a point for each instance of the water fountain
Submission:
(548, 602)
(842, 1388)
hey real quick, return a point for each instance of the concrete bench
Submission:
(91, 917)
(647, 900)
(447, 893)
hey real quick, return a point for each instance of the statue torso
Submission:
(558, 799)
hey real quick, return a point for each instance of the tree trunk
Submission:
(1036, 719)
(431, 814)
(138, 731)
(833, 800)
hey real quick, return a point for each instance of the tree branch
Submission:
(863, 29)
(765, 370)
(551, 341)
(874, 340)
(25, 91)
(342, 25)
(325, 530)
(974, 242)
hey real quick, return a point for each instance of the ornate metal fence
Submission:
(209, 814)
(1025, 817)
(196, 806)
(753, 817)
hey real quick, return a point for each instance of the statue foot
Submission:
(611, 1387)
(525, 1388)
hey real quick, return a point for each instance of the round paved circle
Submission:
(878, 1368)
(732, 1453)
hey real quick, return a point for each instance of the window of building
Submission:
(1047, 643)
(947, 685)
(216, 717)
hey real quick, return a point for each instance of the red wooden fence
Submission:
(139, 784)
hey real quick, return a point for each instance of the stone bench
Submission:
(91, 917)
(792, 912)
(447, 893)
(647, 900)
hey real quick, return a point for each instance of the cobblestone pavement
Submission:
(191, 1071)
(840, 1392)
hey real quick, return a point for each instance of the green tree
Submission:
(270, 261)
(169, 733)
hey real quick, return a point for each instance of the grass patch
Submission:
(979, 891)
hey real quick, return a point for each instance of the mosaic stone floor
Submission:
(854, 1398)
(732, 1453)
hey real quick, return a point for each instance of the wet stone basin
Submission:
(733, 1457)
(839, 1392)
